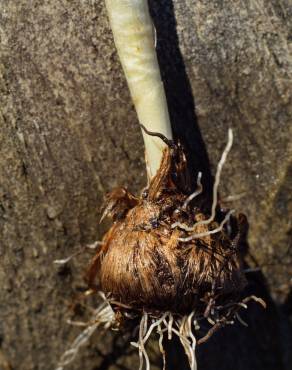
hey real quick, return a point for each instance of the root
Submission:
(209, 232)
(188, 200)
(102, 315)
(256, 299)
(234, 197)
(92, 246)
(240, 319)
(195, 194)
(184, 333)
(215, 189)
(188, 339)
(144, 336)
(167, 141)
(166, 323)
(185, 326)
(160, 343)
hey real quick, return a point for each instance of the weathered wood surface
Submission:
(68, 134)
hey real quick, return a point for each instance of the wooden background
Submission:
(69, 134)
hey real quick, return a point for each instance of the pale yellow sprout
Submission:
(134, 38)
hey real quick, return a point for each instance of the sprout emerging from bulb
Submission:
(165, 261)
(162, 254)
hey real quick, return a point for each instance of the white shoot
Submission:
(134, 37)
(215, 189)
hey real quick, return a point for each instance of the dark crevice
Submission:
(119, 350)
(178, 92)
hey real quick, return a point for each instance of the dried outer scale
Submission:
(142, 262)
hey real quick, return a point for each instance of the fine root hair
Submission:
(215, 191)
(166, 323)
(103, 315)
(163, 324)
(185, 326)
(80, 250)
(209, 232)
(193, 195)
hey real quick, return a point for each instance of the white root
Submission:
(240, 319)
(70, 355)
(188, 339)
(256, 299)
(188, 200)
(195, 194)
(144, 336)
(184, 327)
(153, 326)
(169, 327)
(102, 315)
(209, 232)
(243, 305)
(160, 343)
(234, 197)
(215, 189)
(185, 334)
(93, 246)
